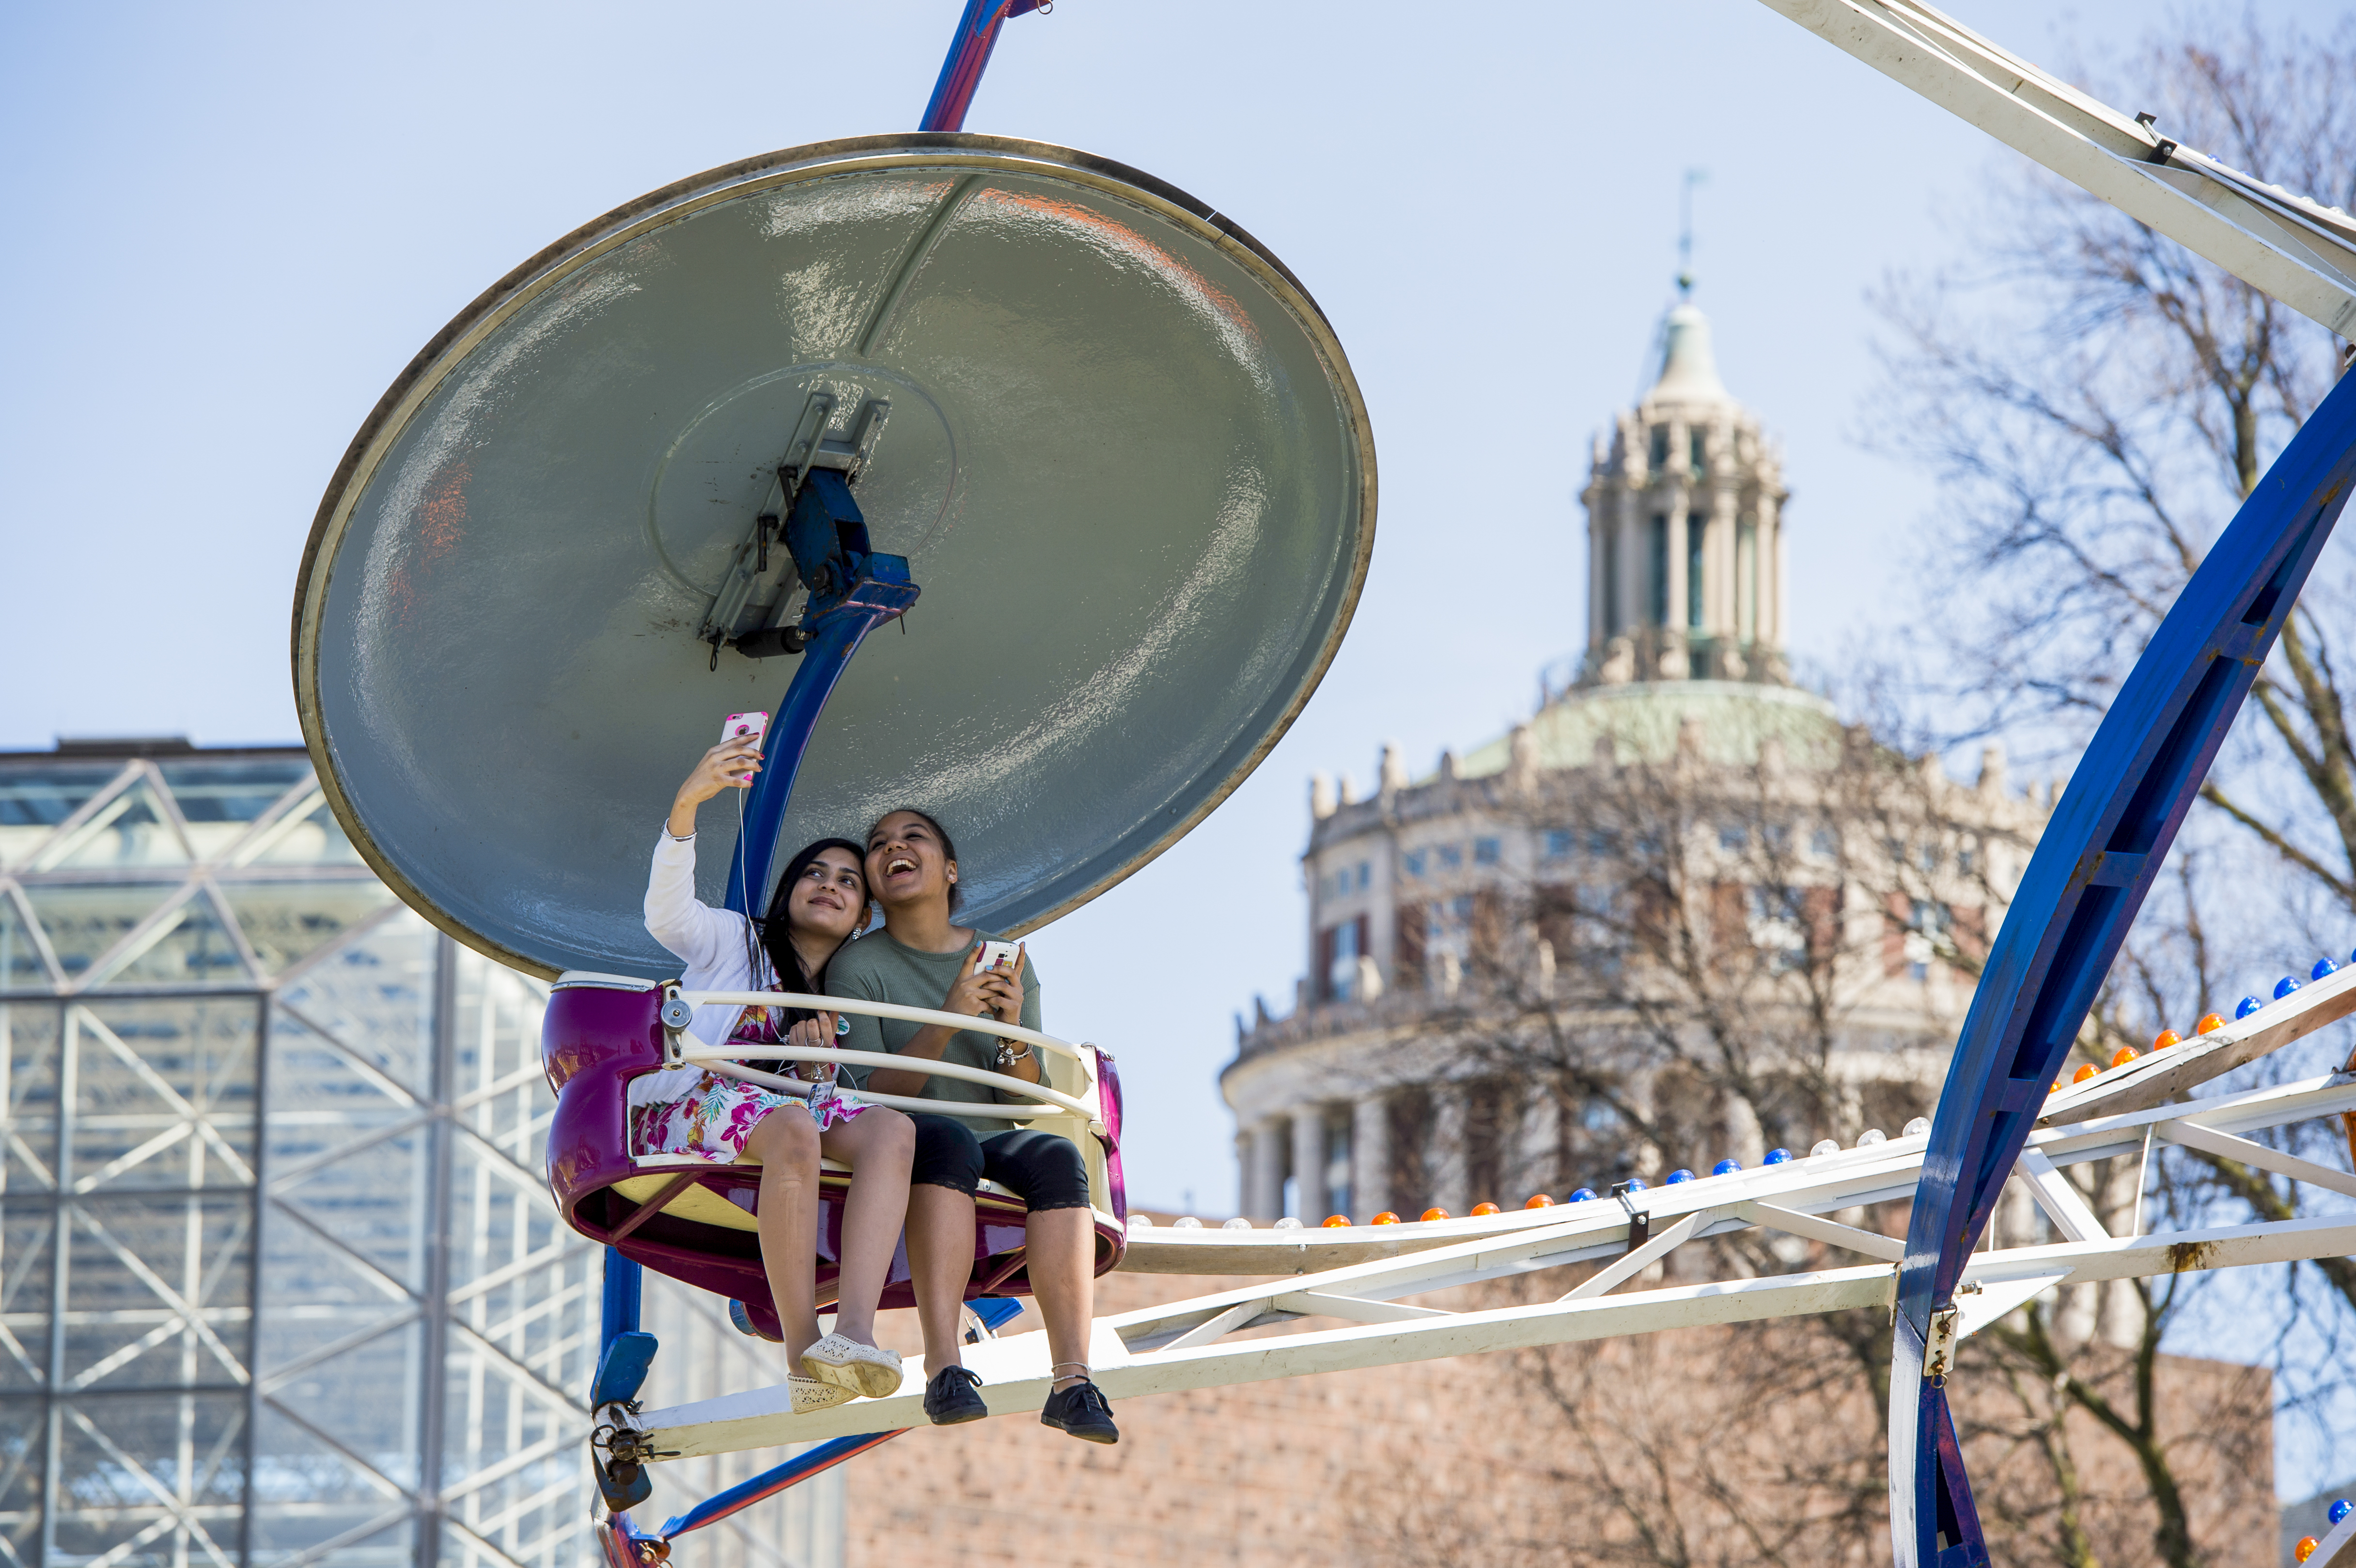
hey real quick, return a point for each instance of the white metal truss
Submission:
(1362, 1275)
(2286, 246)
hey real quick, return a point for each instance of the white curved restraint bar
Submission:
(707, 1055)
(880, 1010)
(723, 1059)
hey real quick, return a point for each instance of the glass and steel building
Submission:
(281, 1281)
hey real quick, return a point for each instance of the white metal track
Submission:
(1186, 1344)
(2283, 244)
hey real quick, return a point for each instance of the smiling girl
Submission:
(819, 904)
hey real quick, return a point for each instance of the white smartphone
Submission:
(744, 727)
(1001, 956)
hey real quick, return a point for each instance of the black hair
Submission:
(776, 930)
(948, 849)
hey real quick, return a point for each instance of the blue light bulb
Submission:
(2285, 987)
(2248, 1006)
(1778, 1155)
(2340, 1509)
(1726, 1168)
(2322, 966)
(1680, 1174)
(1584, 1195)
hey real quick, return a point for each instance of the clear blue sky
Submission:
(232, 225)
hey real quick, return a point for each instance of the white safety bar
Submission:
(709, 1055)
(723, 1059)
(880, 1010)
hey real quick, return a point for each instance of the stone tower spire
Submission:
(1684, 531)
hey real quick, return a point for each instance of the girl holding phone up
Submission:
(819, 904)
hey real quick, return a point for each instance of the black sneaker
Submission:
(1081, 1410)
(949, 1397)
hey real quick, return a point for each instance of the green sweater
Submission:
(877, 968)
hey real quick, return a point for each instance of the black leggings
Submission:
(1044, 1169)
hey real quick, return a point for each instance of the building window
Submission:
(1656, 589)
(1338, 950)
(1557, 843)
(1365, 875)
(1487, 851)
(1824, 842)
(1450, 856)
(1778, 835)
(1746, 580)
(1337, 1165)
(1660, 447)
(1413, 862)
(1966, 857)
(1602, 843)
(1611, 617)
(1700, 442)
(1696, 530)
(1733, 836)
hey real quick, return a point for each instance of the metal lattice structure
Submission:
(280, 1280)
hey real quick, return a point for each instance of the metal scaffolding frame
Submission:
(280, 1278)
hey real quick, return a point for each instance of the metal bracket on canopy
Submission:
(752, 612)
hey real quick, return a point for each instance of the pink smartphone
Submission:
(744, 727)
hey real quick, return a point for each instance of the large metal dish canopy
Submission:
(1117, 441)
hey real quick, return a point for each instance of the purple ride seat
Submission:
(694, 1220)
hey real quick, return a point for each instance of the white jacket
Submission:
(711, 943)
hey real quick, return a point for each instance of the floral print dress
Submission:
(705, 1116)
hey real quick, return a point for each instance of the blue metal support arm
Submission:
(852, 591)
(969, 57)
(2091, 873)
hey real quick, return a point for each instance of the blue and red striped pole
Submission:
(969, 57)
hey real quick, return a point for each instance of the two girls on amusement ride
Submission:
(923, 1168)
(821, 902)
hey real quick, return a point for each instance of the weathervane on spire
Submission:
(1684, 231)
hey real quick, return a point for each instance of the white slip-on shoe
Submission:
(809, 1394)
(848, 1364)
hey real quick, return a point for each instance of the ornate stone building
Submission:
(1682, 913)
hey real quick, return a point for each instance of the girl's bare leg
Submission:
(1060, 1251)
(785, 1143)
(878, 1145)
(940, 1260)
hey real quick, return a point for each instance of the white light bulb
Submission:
(1141, 1222)
(1824, 1147)
(1188, 1223)
(1918, 1127)
(1237, 1223)
(1287, 1224)
(1871, 1135)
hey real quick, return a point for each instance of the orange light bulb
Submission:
(1385, 1218)
(2085, 1072)
(1485, 1208)
(2304, 1548)
(1539, 1201)
(2122, 1056)
(1435, 1213)
(2165, 1039)
(2209, 1023)
(1334, 1220)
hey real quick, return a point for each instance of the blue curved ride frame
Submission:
(2090, 874)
